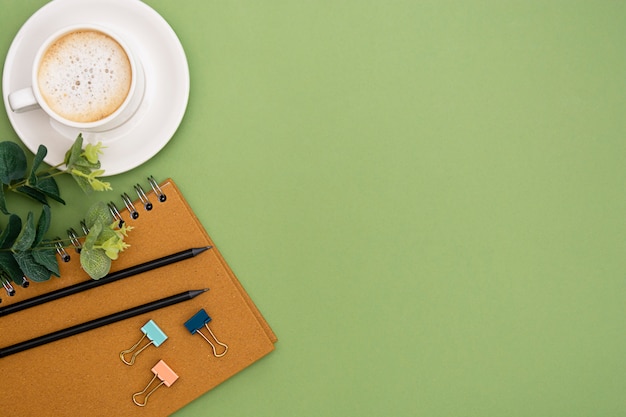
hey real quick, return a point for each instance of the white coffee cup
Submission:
(84, 77)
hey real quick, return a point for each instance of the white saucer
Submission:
(165, 67)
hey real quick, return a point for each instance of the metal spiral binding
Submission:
(7, 286)
(61, 250)
(84, 228)
(115, 213)
(143, 197)
(157, 190)
(71, 233)
(134, 214)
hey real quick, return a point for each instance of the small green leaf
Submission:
(49, 187)
(73, 154)
(99, 212)
(95, 262)
(27, 235)
(92, 237)
(11, 232)
(48, 259)
(75, 157)
(32, 193)
(106, 234)
(83, 162)
(92, 152)
(42, 225)
(31, 268)
(10, 266)
(82, 181)
(12, 162)
(42, 151)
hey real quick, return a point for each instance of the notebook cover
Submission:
(83, 374)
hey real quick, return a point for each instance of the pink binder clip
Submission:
(164, 373)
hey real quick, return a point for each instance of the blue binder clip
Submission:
(152, 332)
(198, 321)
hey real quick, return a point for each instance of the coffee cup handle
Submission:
(23, 100)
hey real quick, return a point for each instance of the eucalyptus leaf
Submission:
(42, 225)
(95, 262)
(11, 231)
(92, 237)
(83, 162)
(31, 268)
(48, 259)
(82, 182)
(10, 266)
(12, 162)
(49, 187)
(75, 158)
(106, 234)
(98, 212)
(32, 193)
(73, 154)
(27, 235)
(42, 151)
(3, 202)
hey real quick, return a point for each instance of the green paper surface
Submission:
(425, 199)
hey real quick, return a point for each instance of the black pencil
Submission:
(112, 277)
(99, 322)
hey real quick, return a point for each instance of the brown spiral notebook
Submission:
(84, 375)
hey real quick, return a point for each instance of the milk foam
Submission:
(84, 76)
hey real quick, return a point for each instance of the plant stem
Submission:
(50, 174)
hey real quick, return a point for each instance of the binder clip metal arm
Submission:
(198, 321)
(153, 333)
(164, 373)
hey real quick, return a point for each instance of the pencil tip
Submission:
(197, 251)
(195, 293)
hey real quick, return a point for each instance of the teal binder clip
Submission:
(198, 321)
(153, 333)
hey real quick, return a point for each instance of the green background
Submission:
(426, 199)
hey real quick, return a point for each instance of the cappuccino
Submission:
(84, 76)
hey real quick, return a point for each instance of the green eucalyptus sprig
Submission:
(103, 242)
(24, 250)
(84, 166)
